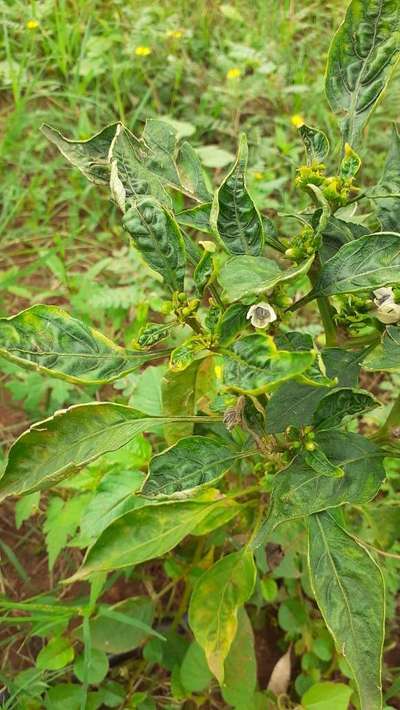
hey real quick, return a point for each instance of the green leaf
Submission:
(186, 353)
(97, 668)
(137, 177)
(336, 233)
(143, 535)
(240, 679)
(122, 635)
(320, 463)
(234, 218)
(49, 340)
(178, 396)
(300, 490)
(386, 356)
(212, 156)
(216, 599)
(114, 495)
(255, 365)
(315, 142)
(294, 403)
(25, 507)
(232, 321)
(197, 218)
(349, 591)
(190, 463)
(195, 674)
(388, 208)
(89, 156)
(157, 236)
(340, 404)
(204, 271)
(350, 164)
(366, 263)
(57, 654)
(243, 276)
(191, 173)
(327, 696)
(59, 446)
(361, 59)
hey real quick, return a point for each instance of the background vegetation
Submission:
(211, 68)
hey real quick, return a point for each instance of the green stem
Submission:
(324, 308)
(392, 421)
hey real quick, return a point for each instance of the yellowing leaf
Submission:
(216, 599)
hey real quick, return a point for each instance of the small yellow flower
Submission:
(32, 25)
(233, 73)
(297, 120)
(175, 34)
(143, 51)
(218, 371)
(258, 175)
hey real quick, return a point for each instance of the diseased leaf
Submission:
(191, 462)
(142, 535)
(315, 142)
(197, 218)
(114, 494)
(178, 395)
(159, 139)
(135, 174)
(388, 208)
(49, 340)
(191, 173)
(299, 490)
(294, 403)
(234, 216)
(216, 599)
(243, 276)
(240, 679)
(336, 233)
(320, 463)
(351, 163)
(349, 591)
(255, 365)
(231, 323)
(157, 236)
(343, 402)
(386, 355)
(59, 446)
(365, 263)
(89, 156)
(361, 59)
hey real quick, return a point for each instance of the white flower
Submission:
(388, 311)
(261, 315)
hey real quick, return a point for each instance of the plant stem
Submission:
(324, 308)
(392, 421)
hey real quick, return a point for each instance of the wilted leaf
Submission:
(315, 142)
(343, 402)
(386, 355)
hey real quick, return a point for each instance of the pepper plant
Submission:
(261, 417)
